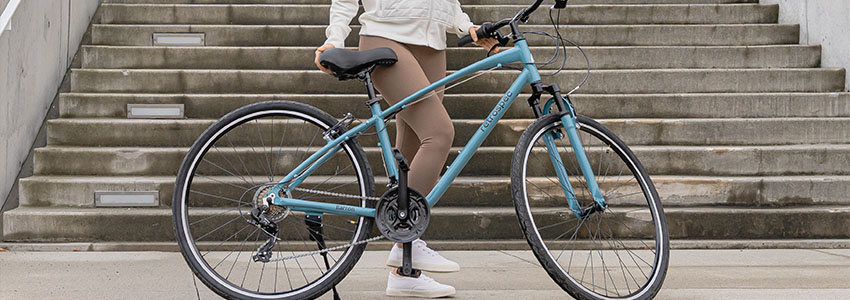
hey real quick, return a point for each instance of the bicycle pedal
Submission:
(402, 161)
(261, 257)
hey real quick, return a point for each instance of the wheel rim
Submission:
(290, 277)
(609, 255)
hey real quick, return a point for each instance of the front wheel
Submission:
(619, 253)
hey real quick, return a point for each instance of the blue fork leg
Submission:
(569, 123)
(555, 157)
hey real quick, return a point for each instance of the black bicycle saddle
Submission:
(346, 64)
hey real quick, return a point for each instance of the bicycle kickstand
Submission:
(314, 226)
(407, 269)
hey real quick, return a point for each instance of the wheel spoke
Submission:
(608, 267)
(227, 168)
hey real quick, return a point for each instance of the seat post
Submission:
(367, 78)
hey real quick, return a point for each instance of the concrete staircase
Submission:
(744, 134)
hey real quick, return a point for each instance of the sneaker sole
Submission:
(425, 267)
(420, 294)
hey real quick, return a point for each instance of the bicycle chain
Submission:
(311, 253)
(340, 195)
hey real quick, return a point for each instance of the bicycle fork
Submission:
(570, 125)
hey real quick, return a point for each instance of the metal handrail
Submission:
(6, 16)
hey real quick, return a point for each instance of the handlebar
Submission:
(484, 31)
(488, 29)
(528, 10)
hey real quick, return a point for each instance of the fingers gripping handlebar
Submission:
(485, 31)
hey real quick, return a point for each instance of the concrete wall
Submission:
(822, 22)
(34, 56)
(3, 4)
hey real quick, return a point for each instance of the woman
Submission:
(416, 31)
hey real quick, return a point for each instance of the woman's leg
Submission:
(433, 63)
(428, 118)
(406, 139)
(424, 134)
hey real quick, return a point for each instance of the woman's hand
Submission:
(318, 53)
(486, 43)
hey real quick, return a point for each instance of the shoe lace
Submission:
(422, 244)
(426, 278)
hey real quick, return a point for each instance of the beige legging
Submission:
(424, 131)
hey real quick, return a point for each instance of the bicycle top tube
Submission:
(519, 53)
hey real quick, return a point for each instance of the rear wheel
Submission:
(619, 253)
(224, 176)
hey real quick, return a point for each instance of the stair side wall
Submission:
(34, 56)
(822, 22)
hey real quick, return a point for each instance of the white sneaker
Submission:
(423, 286)
(423, 258)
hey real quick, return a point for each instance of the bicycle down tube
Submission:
(529, 74)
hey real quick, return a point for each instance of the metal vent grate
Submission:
(179, 39)
(126, 198)
(155, 111)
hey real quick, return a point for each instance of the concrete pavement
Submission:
(693, 274)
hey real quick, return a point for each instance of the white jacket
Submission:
(417, 22)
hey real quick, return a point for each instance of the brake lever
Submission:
(503, 40)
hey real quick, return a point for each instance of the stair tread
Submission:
(577, 94)
(478, 191)
(462, 120)
(603, 57)
(517, 2)
(633, 131)
(586, 35)
(461, 178)
(667, 70)
(457, 210)
(317, 13)
(723, 148)
(451, 47)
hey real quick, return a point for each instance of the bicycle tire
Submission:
(190, 250)
(537, 242)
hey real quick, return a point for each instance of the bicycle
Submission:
(228, 196)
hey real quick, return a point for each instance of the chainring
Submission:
(393, 228)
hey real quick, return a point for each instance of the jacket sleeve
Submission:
(461, 22)
(341, 13)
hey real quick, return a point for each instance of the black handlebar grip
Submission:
(481, 33)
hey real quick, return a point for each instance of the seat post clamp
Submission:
(372, 101)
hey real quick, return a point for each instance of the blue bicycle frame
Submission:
(529, 74)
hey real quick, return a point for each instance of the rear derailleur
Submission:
(270, 228)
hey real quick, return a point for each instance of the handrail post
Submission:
(6, 16)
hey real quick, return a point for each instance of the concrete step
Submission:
(601, 81)
(492, 191)
(27, 224)
(311, 14)
(301, 58)
(488, 161)
(182, 133)
(476, 2)
(585, 35)
(472, 106)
